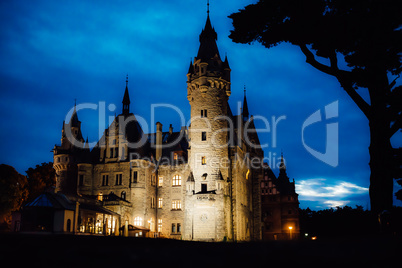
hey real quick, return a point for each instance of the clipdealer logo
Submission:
(331, 154)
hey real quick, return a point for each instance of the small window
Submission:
(203, 136)
(179, 227)
(114, 141)
(116, 152)
(160, 181)
(204, 113)
(100, 196)
(176, 204)
(123, 195)
(152, 202)
(176, 180)
(111, 153)
(138, 221)
(203, 160)
(135, 176)
(173, 228)
(159, 225)
(119, 179)
(160, 202)
(105, 180)
(204, 187)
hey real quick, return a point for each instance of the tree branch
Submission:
(310, 59)
(344, 77)
(395, 127)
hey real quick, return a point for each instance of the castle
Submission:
(200, 183)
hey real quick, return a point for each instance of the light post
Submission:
(290, 232)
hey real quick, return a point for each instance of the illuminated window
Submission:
(176, 204)
(159, 225)
(160, 202)
(100, 197)
(152, 225)
(138, 221)
(175, 156)
(176, 180)
(160, 181)
(203, 160)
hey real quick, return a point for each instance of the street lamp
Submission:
(290, 232)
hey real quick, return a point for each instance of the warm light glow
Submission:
(290, 227)
(313, 238)
(247, 174)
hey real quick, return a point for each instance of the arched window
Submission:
(138, 221)
(123, 195)
(176, 180)
(100, 196)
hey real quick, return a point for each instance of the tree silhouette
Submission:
(40, 178)
(13, 191)
(368, 35)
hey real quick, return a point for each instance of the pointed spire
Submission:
(191, 68)
(208, 48)
(282, 169)
(74, 122)
(226, 62)
(86, 144)
(208, 7)
(245, 106)
(126, 99)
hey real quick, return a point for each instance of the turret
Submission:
(126, 100)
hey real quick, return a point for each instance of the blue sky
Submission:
(53, 52)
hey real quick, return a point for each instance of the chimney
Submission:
(170, 129)
(158, 143)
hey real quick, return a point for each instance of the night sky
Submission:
(53, 52)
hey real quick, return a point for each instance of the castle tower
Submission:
(66, 155)
(208, 90)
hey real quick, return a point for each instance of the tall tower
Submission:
(66, 156)
(208, 90)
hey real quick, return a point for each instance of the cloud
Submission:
(331, 192)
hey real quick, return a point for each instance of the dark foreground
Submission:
(94, 251)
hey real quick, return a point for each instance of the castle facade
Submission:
(199, 183)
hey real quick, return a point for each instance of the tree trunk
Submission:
(381, 178)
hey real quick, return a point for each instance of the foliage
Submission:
(39, 178)
(367, 35)
(348, 221)
(341, 221)
(13, 191)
